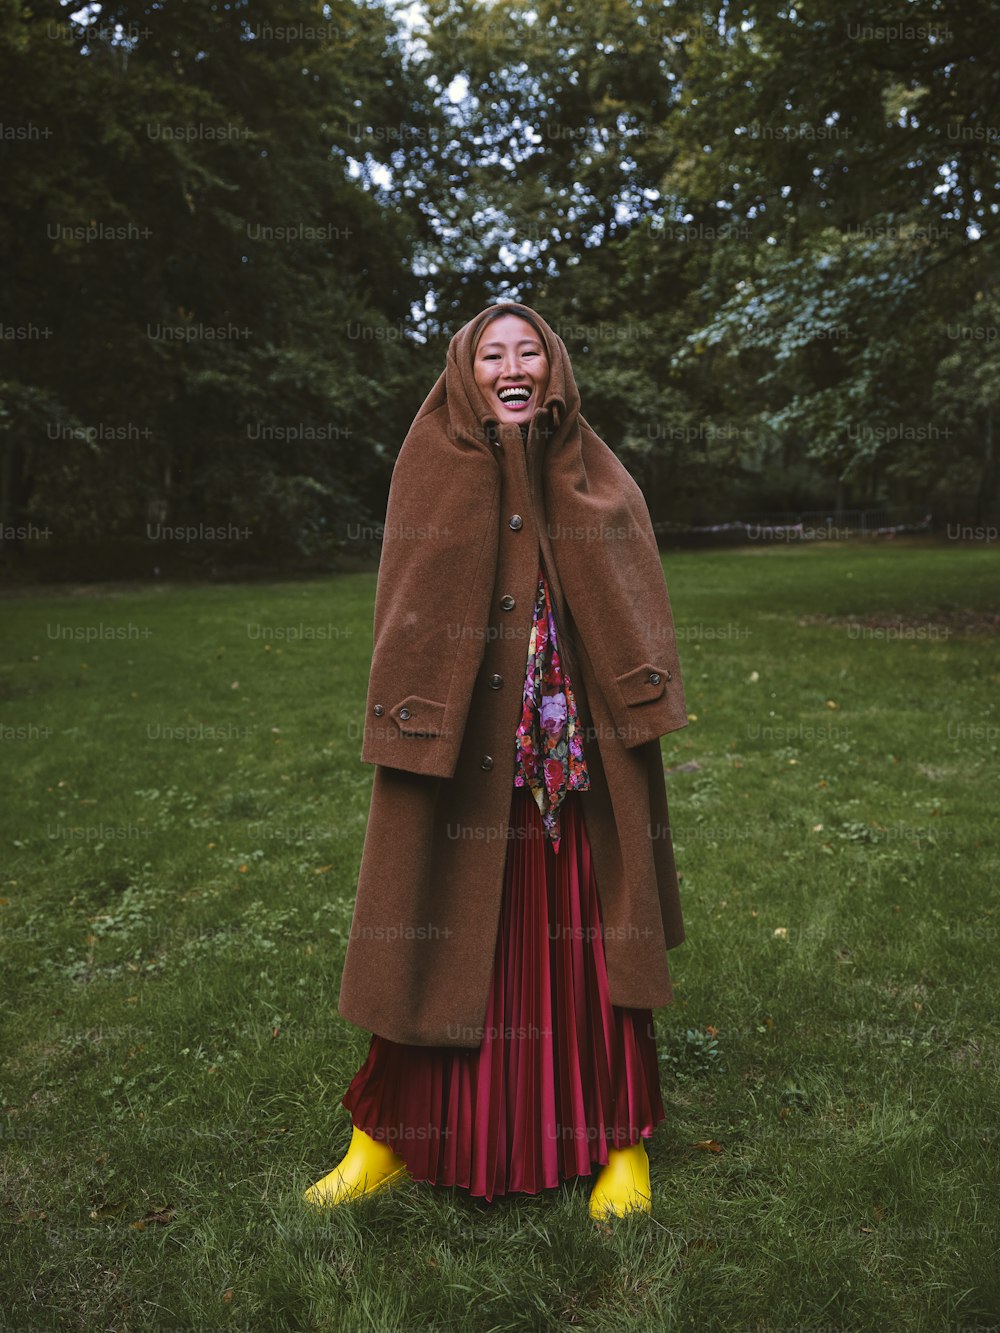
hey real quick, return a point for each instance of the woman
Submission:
(517, 891)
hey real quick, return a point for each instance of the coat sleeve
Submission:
(626, 623)
(435, 580)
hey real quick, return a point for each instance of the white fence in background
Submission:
(810, 525)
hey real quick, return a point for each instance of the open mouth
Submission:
(515, 397)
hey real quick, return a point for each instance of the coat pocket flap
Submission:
(419, 717)
(643, 684)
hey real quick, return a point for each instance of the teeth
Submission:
(518, 395)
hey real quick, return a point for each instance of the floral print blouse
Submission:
(549, 742)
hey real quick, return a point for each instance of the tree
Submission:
(218, 286)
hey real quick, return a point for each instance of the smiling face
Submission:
(511, 368)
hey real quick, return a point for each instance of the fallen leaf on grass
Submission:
(105, 1210)
(321, 870)
(879, 1212)
(708, 1145)
(156, 1217)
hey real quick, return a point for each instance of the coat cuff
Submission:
(648, 704)
(410, 734)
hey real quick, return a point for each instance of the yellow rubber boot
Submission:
(623, 1185)
(366, 1168)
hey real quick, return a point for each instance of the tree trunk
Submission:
(11, 493)
(986, 499)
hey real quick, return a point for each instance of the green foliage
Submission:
(764, 228)
(190, 240)
(692, 1054)
(242, 236)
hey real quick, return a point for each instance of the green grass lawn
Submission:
(183, 820)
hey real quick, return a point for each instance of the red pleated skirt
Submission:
(561, 1075)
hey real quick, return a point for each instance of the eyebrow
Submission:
(520, 343)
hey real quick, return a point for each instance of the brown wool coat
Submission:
(472, 509)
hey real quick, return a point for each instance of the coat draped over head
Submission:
(473, 510)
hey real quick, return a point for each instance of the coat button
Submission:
(486, 762)
(378, 710)
(515, 521)
(496, 681)
(507, 602)
(654, 678)
(404, 714)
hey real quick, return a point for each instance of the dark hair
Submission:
(507, 309)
